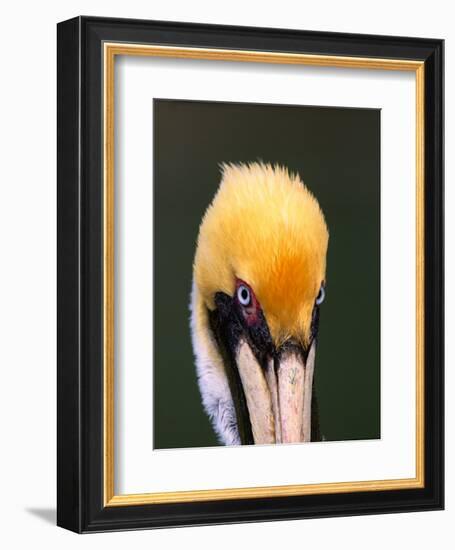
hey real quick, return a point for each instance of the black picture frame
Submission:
(80, 476)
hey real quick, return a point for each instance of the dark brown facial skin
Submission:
(227, 328)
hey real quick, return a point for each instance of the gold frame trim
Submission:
(109, 52)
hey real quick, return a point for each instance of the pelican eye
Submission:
(244, 295)
(320, 296)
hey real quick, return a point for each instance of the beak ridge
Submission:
(257, 395)
(291, 386)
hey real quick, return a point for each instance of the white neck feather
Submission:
(212, 378)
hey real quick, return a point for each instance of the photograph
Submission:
(223, 275)
(250, 274)
(267, 274)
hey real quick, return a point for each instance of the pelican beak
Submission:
(271, 388)
(278, 395)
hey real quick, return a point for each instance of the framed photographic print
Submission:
(250, 274)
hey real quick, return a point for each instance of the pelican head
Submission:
(258, 284)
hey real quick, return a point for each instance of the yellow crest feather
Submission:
(264, 227)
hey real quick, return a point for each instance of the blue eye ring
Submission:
(244, 295)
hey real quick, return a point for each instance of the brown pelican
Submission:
(258, 284)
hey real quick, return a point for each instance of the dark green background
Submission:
(336, 151)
